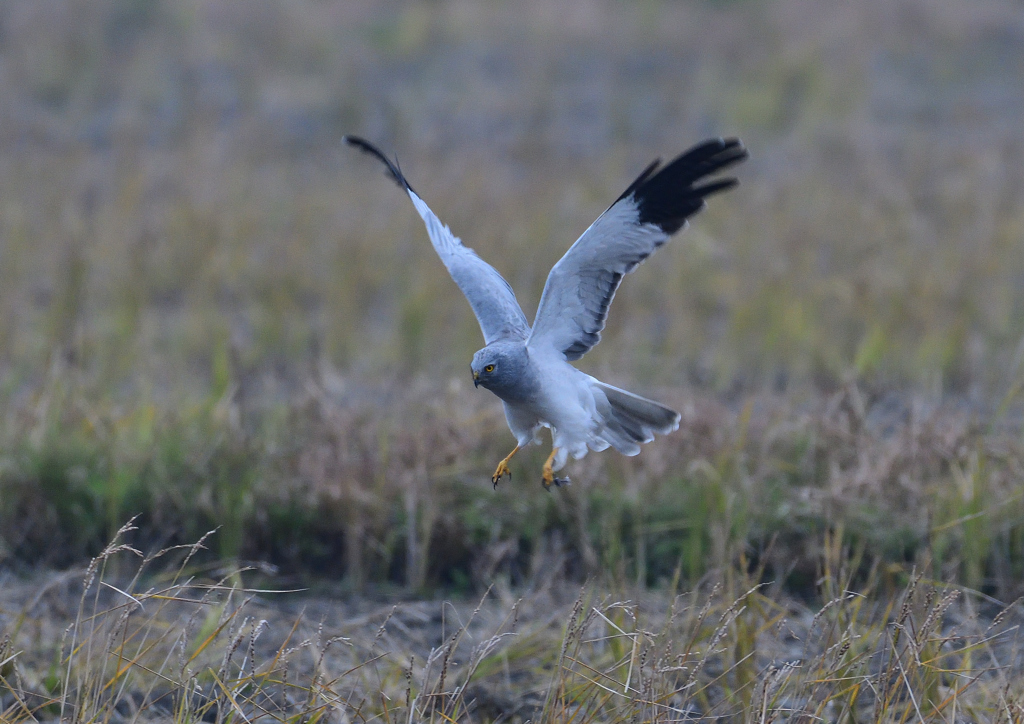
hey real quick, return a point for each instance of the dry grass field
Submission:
(215, 317)
(167, 642)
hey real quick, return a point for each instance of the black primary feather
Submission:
(394, 172)
(666, 197)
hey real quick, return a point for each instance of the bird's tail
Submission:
(630, 420)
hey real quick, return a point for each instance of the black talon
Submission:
(556, 482)
(495, 479)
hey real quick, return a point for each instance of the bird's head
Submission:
(488, 367)
(499, 368)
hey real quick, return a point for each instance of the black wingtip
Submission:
(393, 171)
(732, 151)
(639, 180)
(671, 195)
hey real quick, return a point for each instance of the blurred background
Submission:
(213, 313)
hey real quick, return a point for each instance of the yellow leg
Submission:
(503, 468)
(548, 477)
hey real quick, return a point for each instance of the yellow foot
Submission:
(503, 469)
(548, 476)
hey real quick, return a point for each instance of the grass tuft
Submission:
(165, 640)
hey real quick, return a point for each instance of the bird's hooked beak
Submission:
(476, 379)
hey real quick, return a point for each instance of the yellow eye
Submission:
(489, 368)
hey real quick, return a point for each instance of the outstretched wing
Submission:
(580, 287)
(492, 299)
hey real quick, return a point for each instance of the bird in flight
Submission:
(528, 367)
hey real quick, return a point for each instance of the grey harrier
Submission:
(528, 368)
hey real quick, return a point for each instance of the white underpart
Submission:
(577, 409)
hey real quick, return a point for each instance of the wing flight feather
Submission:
(492, 299)
(580, 287)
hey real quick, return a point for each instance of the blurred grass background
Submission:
(213, 314)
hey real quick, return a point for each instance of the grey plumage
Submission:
(492, 299)
(528, 368)
(581, 286)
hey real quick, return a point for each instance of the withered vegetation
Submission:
(213, 317)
